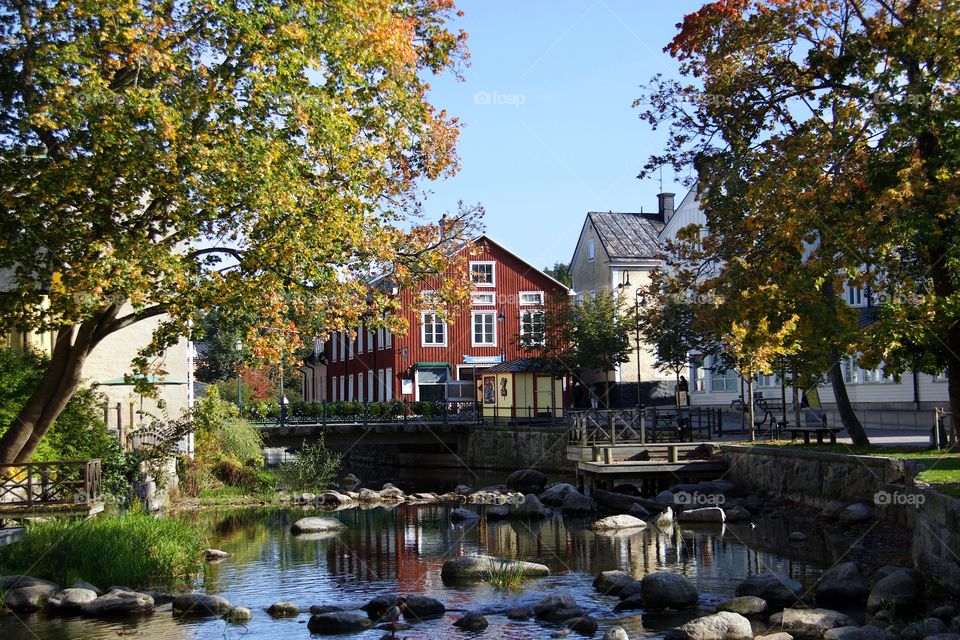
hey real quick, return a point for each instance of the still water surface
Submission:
(401, 550)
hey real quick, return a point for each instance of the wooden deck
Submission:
(59, 488)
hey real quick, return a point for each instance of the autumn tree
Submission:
(826, 130)
(160, 159)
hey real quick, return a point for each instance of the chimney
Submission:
(665, 205)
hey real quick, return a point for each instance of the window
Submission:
(389, 339)
(765, 380)
(380, 333)
(531, 298)
(483, 298)
(484, 329)
(360, 340)
(483, 274)
(333, 348)
(389, 383)
(591, 251)
(531, 326)
(370, 396)
(359, 387)
(369, 341)
(350, 395)
(434, 330)
(725, 380)
(854, 295)
(340, 386)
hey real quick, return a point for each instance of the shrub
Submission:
(313, 467)
(134, 549)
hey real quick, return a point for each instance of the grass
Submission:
(506, 576)
(134, 549)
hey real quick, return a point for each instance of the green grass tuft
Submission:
(134, 549)
(506, 576)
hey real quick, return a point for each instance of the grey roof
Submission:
(626, 236)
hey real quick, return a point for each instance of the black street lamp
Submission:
(238, 346)
(501, 321)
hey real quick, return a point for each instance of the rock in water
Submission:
(577, 503)
(616, 523)
(526, 481)
(856, 513)
(200, 604)
(71, 600)
(842, 585)
(29, 598)
(283, 610)
(662, 590)
(744, 605)
(553, 496)
(463, 515)
(777, 590)
(419, 606)
(118, 603)
(724, 625)
(616, 633)
(12, 582)
(316, 525)
(584, 625)
(338, 622)
(238, 614)
(479, 567)
(531, 508)
(553, 603)
(810, 623)
(472, 622)
(212, 555)
(612, 583)
(703, 514)
(899, 589)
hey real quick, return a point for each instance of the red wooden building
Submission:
(438, 359)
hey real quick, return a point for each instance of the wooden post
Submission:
(674, 454)
(608, 455)
(132, 421)
(121, 432)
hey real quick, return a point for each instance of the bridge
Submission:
(63, 488)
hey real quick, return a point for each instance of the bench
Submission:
(820, 431)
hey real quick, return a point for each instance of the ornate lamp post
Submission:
(501, 322)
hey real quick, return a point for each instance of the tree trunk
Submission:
(953, 384)
(849, 419)
(753, 425)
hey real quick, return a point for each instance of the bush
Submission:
(134, 549)
(313, 467)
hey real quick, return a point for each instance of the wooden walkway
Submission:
(59, 488)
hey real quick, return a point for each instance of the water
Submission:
(401, 550)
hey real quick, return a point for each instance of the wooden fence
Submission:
(63, 482)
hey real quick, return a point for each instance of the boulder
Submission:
(526, 481)
(564, 614)
(744, 605)
(630, 602)
(842, 585)
(553, 496)
(613, 582)
(334, 499)
(497, 513)
(922, 629)
(462, 490)
(12, 582)
(810, 623)
(615, 523)
(376, 607)
(665, 497)
(899, 589)
(212, 555)
(737, 514)
(618, 502)
(29, 598)
(634, 588)
(702, 514)
(724, 625)
(556, 601)
(519, 613)
(945, 612)
(369, 495)
(577, 503)
(419, 606)
(844, 633)
(463, 515)
(350, 480)
(472, 622)
(238, 614)
(833, 509)
(338, 622)
(663, 590)
(325, 608)
(780, 635)
(391, 492)
(615, 633)
(283, 610)
(531, 509)
(80, 584)
(316, 525)
(638, 511)
(776, 589)
(479, 567)
(584, 625)
(856, 513)
(118, 603)
(71, 600)
(200, 604)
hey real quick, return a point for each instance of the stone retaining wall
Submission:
(518, 447)
(816, 478)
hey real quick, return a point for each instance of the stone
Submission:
(519, 613)
(80, 584)
(378, 606)
(391, 492)
(118, 603)
(324, 608)
(553, 496)
(744, 605)
(350, 480)
(944, 636)
(472, 622)
(945, 612)
(419, 606)
(634, 588)
(29, 598)
(810, 623)
(334, 499)
(369, 495)
(612, 583)
(638, 511)
(316, 525)
(887, 570)
(898, 589)
(665, 497)
(338, 622)
(497, 513)
(663, 590)
(584, 625)
(561, 633)
(737, 514)
(212, 555)
(615, 523)
(781, 635)
(564, 614)
(554, 602)
(856, 513)
(776, 589)
(160, 597)
(615, 633)
(844, 633)
(119, 587)
(702, 514)
(463, 490)
(463, 515)
(577, 503)
(12, 582)
(526, 481)
(200, 604)
(923, 628)
(71, 600)
(631, 602)
(724, 625)
(531, 508)
(842, 585)
(283, 610)
(478, 567)
(797, 536)
(238, 614)
(833, 509)
(306, 498)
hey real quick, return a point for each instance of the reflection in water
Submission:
(403, 549)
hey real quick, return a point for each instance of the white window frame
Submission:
(591, 250)
(369, 341)
(342, 383)
(333, 347)
(360, 387)
(493, 272)
(360, 340)
(388, 382)
(370, 394)
(532, 310)
(478, 298)
(350, 388)
(380, 339)
(423, 329)
(473, 328)
(537, 303)
(388, 342)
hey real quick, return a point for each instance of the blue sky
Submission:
(548, 128)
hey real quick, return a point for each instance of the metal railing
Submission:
(333, 413)
(35, 484)
(631, 426)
